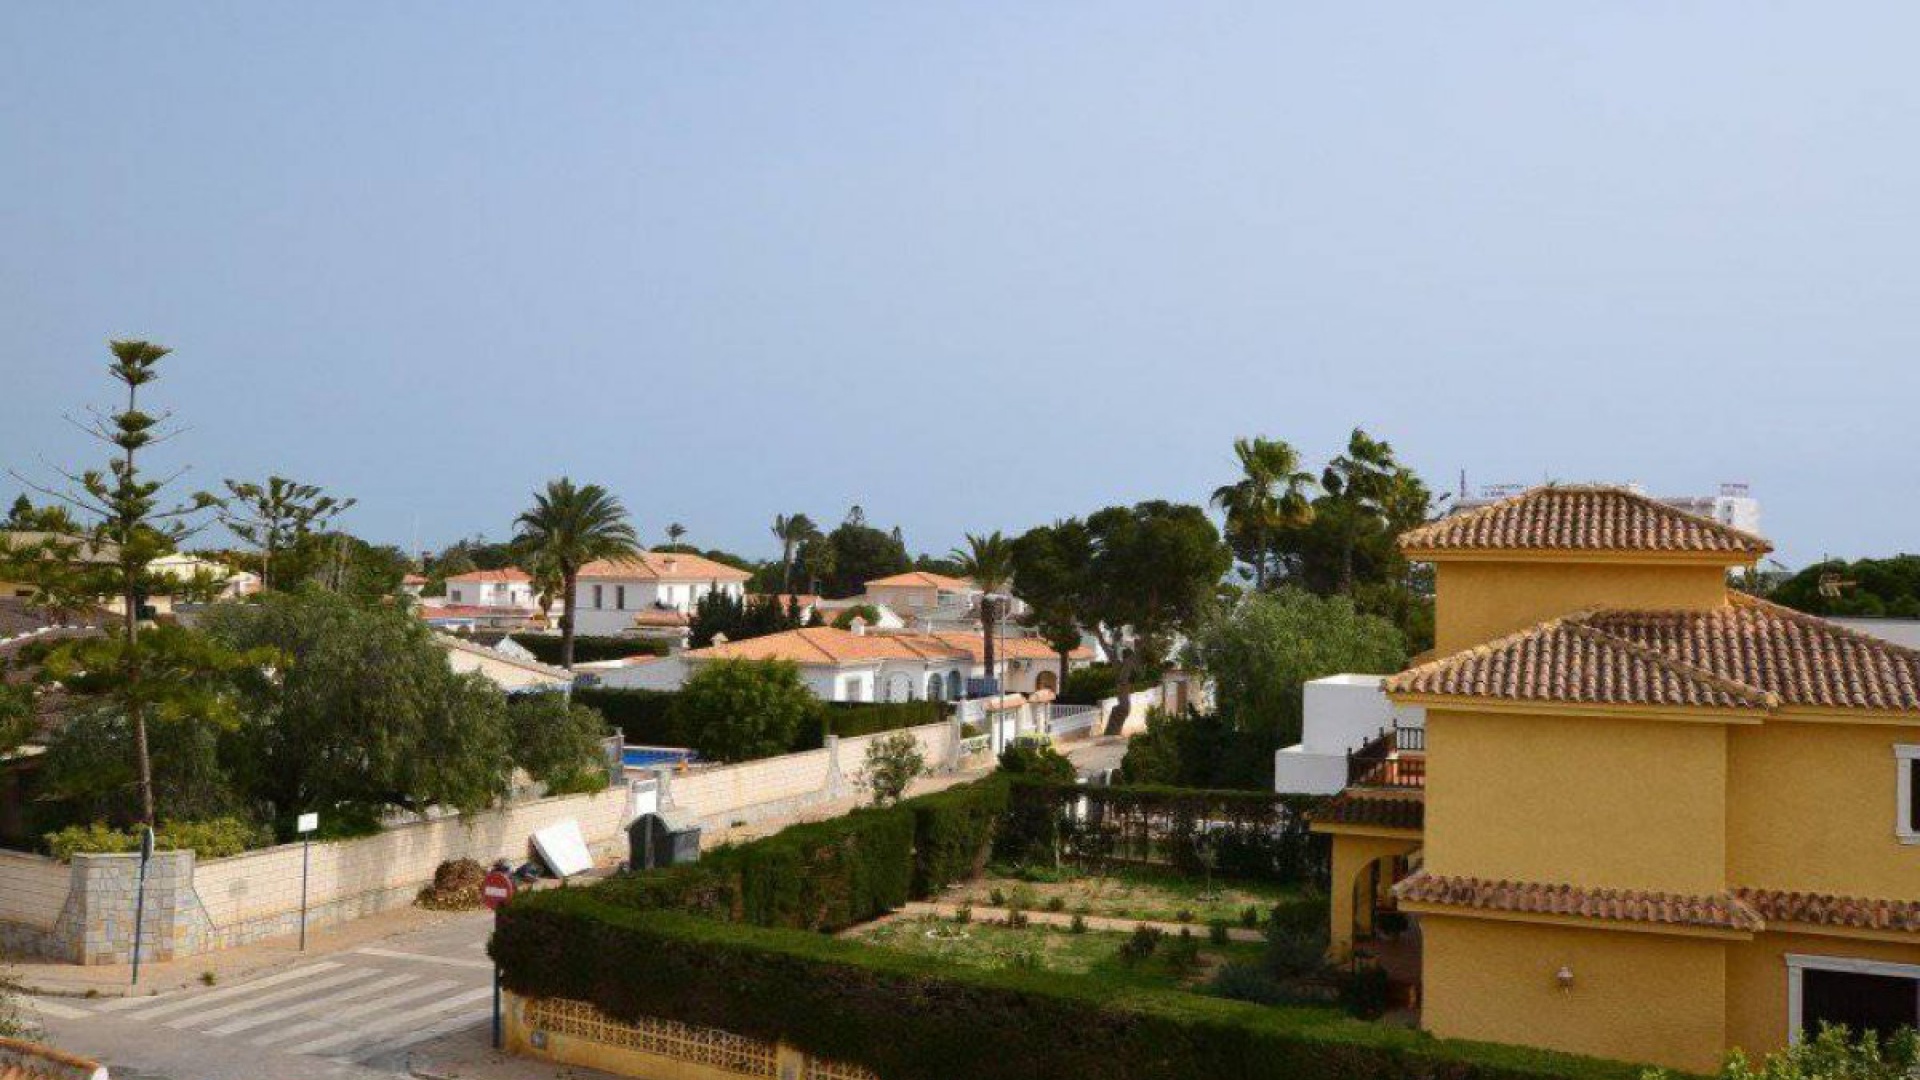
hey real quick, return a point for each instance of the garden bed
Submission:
(1150, 894)
(996, 946)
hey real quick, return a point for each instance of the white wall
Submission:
(1341, 713)
(615, 611)
(491, 593)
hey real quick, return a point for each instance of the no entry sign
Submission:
(496, 889)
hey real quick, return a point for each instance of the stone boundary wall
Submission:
(83, 912)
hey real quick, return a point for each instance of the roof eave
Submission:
(1579, 555)
(1703, 714)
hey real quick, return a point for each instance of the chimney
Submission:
(670, 563)
(858, 625)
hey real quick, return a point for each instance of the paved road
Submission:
(351, 1015)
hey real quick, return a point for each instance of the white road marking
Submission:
(248, 1022)
(458, 1023)
(451, 961)
(391, 1023)
(188, 999)
(59, 1011)
(196, 1019)
(341, 1017)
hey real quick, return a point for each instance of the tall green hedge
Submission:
(647, 717)
(909, 1017)
(588, 648)
(953, 832)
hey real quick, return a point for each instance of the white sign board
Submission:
(307, 823)
(563, 848)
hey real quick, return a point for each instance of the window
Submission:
(1907, 792)
(1865, 995)
(596, 597)
(453, 595)
(620, 597)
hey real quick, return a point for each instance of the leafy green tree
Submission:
(739, 618)
(792, 530)
(343, 563)
(362, 715)
(988, 562)
(1037, 761)
(843, 619)
(739, 710)
(566, 528)
(862, 553)
(111, 556)
(89, 775)
(893, 762)
(558, 742)
(1868, 588)
(1270, 495)
(276, 515)
(1151, 574)
(1050, 573)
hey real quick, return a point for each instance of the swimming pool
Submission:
(646, 757)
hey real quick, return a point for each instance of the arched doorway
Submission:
(936, 688)
(899, 687)
(953, 685)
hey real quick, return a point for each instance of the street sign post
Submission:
(140, 898)
(305, 825)
(495, 890)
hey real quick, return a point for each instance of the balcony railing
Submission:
(1395, 758)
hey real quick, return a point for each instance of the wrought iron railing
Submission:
(1389, 760)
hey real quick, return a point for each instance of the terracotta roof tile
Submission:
(510, 574)
(1566, 661)
(1589, 518)
(1826, 910)
(827, 645)
(662, 566)
(1804, 659)
(32, 1061)
(922, 579)
(1718, 911)
(1395, 811)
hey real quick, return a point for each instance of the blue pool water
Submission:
(642, 757)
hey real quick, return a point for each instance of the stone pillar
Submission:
(98, 918)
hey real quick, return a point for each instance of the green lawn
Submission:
(1132, 893)
(993, 946)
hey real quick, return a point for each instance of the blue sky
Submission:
(971, 266)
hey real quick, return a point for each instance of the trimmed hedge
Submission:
(908, 1017)
(646, 717)
(587, 649)
(829, 875)
(1251, 834)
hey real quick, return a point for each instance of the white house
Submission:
(508, 588)
(855, 665)
(638, 593)
(1342, 712)
(918, 592)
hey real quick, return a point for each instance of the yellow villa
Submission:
(1648, 817)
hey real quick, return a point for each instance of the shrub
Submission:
(1056, 904)
(1217, 932)
(215, 838)
(1078, 925)
(1247, 982)
(1293, 953)
(893, 762)
(1364, 992)
(1830, 1055)
(558, 742)
(1141, 946)
(849, 719)
(740, 710)
(1184, 954)
(963, 914)
(843, 619)
(1037, 761)
(996, 897)
(827, 997)
(1391, 923)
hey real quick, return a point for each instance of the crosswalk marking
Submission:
(343, 1016)
(458, 1023)
(391, 1023)
(59, 1011)
(197, 1019)
(247, 1023)
(173, 1003)
(451, 961)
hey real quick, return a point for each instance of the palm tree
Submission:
(1271, 494)
(674, 532)
(1364, 483)
(792, 531)
(988, 560)
(566, 528)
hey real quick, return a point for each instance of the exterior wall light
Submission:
(1564, 977)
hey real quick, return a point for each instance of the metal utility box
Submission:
(664, 838)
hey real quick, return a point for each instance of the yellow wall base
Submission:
(576, 1033)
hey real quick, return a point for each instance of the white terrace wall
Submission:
(33, 892)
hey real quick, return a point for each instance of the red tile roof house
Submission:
(650, 591)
